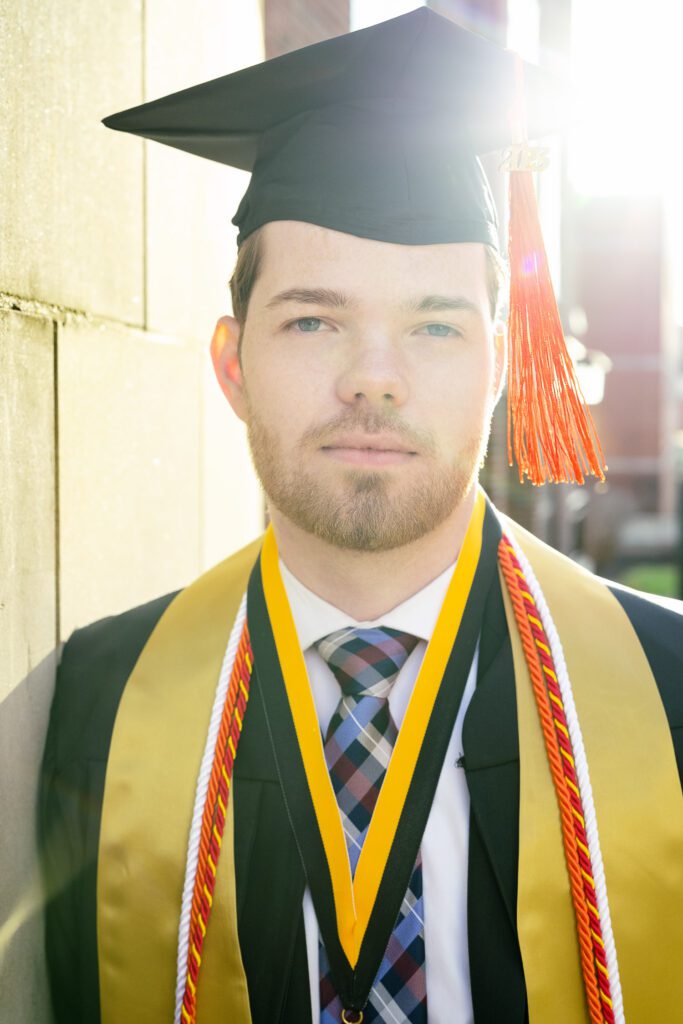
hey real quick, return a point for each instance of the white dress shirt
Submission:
(445, 841)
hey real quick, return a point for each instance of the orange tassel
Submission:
(550, 428)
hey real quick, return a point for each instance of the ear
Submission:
(226, 363)
(500, 346)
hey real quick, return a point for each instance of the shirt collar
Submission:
(315, 618)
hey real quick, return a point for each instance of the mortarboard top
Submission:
(374, 133)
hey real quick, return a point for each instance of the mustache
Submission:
(370, 421)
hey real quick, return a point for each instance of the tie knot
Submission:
(366, 661)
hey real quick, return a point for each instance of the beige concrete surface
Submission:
(122, 471)
(27, 638)
(129, 468)
(71, 202)
(190, 202)
(24, 997)
(27, 486)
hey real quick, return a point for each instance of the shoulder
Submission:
(658, 623)
(95, 666)
(649, 612)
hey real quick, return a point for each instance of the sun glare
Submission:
(627, 132)
(627, 87)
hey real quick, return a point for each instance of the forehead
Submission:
(297, 254)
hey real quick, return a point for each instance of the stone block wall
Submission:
(122, 472)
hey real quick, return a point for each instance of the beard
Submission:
(363, 510)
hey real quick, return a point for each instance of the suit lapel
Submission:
(491, 751)
(491, 760)
(270, 880)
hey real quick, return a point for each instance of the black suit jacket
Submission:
(96, 664)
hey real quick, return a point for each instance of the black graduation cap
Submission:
(374, 133)
(377, 133)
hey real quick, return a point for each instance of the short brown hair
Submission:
(244, 276)
(250, 255)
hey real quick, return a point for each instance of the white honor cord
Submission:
(199, 801)
(581, 767)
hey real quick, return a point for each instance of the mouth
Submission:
(369, 450)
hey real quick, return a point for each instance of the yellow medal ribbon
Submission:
(355, 898)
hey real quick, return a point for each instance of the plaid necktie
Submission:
(359, 741)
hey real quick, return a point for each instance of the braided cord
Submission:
(230, 705)
(584, 783)
(539, 653)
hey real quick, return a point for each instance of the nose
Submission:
(373, 374)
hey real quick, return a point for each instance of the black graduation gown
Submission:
(95, 666)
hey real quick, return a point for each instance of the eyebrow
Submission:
(337, 300)
(440, 304)
(312, 296)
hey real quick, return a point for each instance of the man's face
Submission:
(369, 378)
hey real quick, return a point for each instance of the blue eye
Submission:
(440, 330)
(308, 324)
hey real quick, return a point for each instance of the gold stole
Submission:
(156, 750)
(638, 805)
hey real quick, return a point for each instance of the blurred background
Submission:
(612, 215)
(122, 472)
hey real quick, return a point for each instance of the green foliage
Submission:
(652, 578)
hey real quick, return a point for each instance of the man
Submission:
(345, 775)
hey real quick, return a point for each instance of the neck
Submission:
(367, 584)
